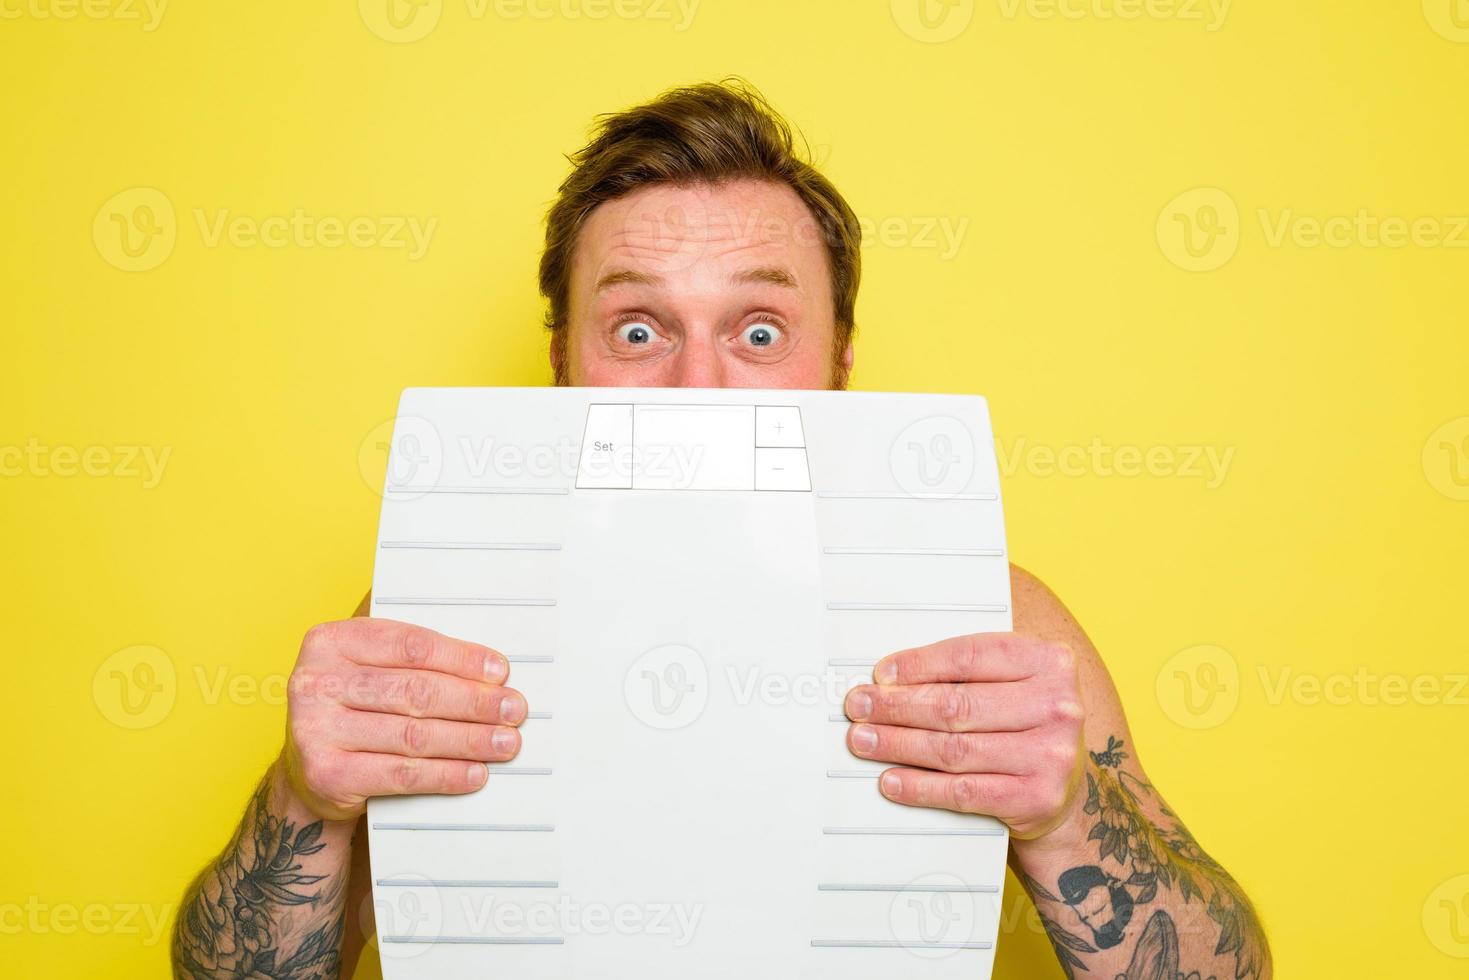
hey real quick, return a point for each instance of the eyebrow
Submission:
(767, 274)
(627, 276)
(772, 275)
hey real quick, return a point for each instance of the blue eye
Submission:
(761, 334)
(636, 332)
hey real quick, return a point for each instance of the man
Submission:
(691, 246)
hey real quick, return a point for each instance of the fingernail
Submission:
(886, 672)
(864, 738)
(496, 668)
(859, 705)
(891, 784)
(503, 741)
(512, 709)
(478, 773)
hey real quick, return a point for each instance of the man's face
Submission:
(702, 286)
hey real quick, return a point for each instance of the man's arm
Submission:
(1027, 727)
(1166, 908)
(376, 708)
(274, 903)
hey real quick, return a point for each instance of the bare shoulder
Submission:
(1039, 612)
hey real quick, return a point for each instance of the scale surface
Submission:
(686, 582)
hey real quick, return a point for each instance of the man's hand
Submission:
(992, 724)
(381, 708)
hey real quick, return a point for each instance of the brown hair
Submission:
(705, 133)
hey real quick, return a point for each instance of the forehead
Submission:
(688, 230)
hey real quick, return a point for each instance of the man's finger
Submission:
(374, 774)
(425, 694)
(990, 752)
(425, 738)
(1003, 707)
(388, 643)
(977, 657)
(982, 793)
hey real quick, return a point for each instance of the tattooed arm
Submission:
(1122, 887)
(1027, 727)
(376, 708)
(273, 904)
(1137, 898)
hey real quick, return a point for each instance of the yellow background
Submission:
(1336, 540)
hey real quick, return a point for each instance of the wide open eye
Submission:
(636, 332)
(761, 334)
